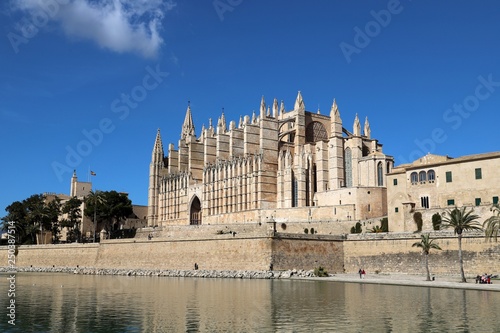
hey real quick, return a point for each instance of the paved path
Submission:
(413, 280)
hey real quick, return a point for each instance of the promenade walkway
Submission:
(413, 280)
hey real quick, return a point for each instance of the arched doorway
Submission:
(195, 212)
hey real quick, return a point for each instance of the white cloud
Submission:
(117, 25)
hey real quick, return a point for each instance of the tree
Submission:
(460, 221)
(384, 224)
(111, 209)
(94, 208)
(33, 215)
(492, 224)
(417, 217)
(16, 213)
(356, 229)
(72, 209)
(436, 221)
(36, 216)
(426, 244)
(52, 212)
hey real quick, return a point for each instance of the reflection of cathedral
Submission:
(279, 163)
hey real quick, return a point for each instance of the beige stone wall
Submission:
(386, 253)
(302, 252)
(394, 253)
(53, 255)
(232, 253)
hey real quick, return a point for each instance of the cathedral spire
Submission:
(357, 126)
(188, 126)
(157, 155)
(367, 130)
(221, 123)
(262, 107)
(275, 108)
(282, 108)
(334, 112)
(299, 103)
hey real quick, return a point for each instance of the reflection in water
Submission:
(75, 303)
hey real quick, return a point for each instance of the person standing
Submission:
(360, 272)
(363, 274)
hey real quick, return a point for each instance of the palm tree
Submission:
(95, 201)
(426, 244)
(460, 221)
(492, 224)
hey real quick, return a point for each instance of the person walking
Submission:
(363, 274)
(360, 272)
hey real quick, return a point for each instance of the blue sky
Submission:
(85, 84)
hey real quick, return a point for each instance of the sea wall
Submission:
(393, 253)
(382, 253)
(226, 253)
(308, 252)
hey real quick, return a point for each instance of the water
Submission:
(77, 303)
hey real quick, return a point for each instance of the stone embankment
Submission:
(168, 273)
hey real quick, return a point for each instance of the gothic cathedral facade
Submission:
(281, 165)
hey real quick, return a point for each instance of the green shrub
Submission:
(384, 224)
(306, 231)
(417, 217)
(436, 221)
(320, 272)
(356, 229)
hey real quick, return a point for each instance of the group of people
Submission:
(361, 273)
(485, 278)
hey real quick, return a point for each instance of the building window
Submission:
(495, 200)
(431, 176)
(295, 194)
(369, 207)
(414, 178)
(449, 177)
(451, 202)
(479, 174)
(422, 176)
(424, 202)
(478, 201)
(396, 209)
(348, 167)
(380, 174)
(395, 182)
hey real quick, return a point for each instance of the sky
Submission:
(85, 84)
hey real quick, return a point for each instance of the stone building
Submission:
(435, 183)
(278, 165)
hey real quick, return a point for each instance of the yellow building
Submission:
(435, 183)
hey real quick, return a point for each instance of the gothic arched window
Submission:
(414, 177)
(348, 167)
(422, 176)
(380, 174)
(431, 176)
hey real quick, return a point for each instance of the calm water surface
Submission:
(76, 303)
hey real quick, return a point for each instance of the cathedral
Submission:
(277, 165)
